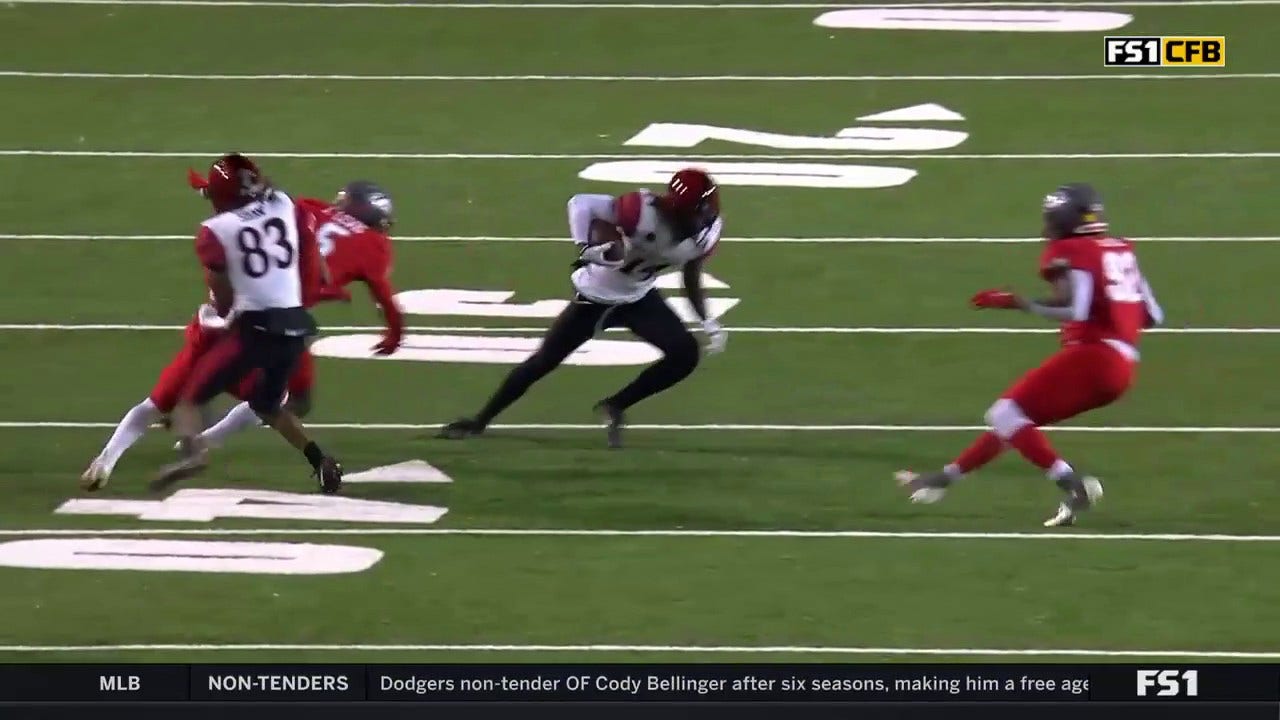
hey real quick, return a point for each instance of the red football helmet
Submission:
(695, 196)
(234, 180)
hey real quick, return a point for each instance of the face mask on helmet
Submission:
(367, 203)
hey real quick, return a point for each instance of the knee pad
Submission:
(1005, 418)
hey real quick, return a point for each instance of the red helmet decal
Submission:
(693, 191)
(233, 181)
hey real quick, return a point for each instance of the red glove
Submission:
(196, 181)
(995, 299)
(389, 344)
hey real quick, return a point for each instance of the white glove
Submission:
(717, 336)
(594, 254)
(209, 318)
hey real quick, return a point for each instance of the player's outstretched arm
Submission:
(693, 290)
(384, 295)
(1155, 313)
(1072, 295)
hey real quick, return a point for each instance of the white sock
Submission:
(238, 418)
(1059, 470)
(952, 471)
(133, 426)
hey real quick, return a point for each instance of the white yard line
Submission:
(417, 4)
(556, 532)
(641, 156)
(830, 330)
(730, 427)
(795, 240)
(683, 649)
(716, 649)
(1175, 75)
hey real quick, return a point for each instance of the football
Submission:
(604, 232)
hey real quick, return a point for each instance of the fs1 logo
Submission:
(1165, 52)
(1169, 683)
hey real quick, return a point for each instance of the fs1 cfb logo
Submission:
(1165, 52)
(1168, 683)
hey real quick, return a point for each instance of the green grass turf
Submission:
(703, 591)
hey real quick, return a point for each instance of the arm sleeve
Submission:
(379, 281)
(1081, 301)
(210, 251)
(310, 264)
(1154, 312)
(584, 208)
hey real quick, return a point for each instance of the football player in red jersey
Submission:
(1103, 303)
(352, 237)
(204, 329)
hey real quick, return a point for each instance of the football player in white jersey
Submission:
(624, 243)
(261, 259)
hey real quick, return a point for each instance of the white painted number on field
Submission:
(207, 505)
(484, 350)
(188, 556)
(926, 112)
(409, 471)
(493, 303)
(475, 303)
(755, 174)
(790, 174)
(873, 139)
(974, 20)
(510, 350)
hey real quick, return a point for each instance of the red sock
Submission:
(982, 451)
(1034, 446)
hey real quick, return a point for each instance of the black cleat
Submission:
(461, 429)
(615, 421)
(195, 459)
(329, 474)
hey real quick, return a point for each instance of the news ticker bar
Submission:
(636, 682)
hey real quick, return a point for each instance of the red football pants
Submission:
(178, 372)
(1075, 380)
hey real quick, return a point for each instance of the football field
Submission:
(872, 179)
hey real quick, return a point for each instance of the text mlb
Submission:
(1152, 51)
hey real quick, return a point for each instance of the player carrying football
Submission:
(1103, 303)
(624, 243)
(352, 237)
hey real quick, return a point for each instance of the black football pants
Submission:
(650, 318)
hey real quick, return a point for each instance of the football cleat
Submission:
(195, 459)
(96, 476)
(1083, 492)
(925, 489)
(614, 422)
(329, 475)
(461, 429)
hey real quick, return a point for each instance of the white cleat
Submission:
(96, 476)
(921, 493)
(1077, 503)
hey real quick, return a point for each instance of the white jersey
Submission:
(651, 245)
(261, 244)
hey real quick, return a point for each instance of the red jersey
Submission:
(353, 252)
(1119, 308)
